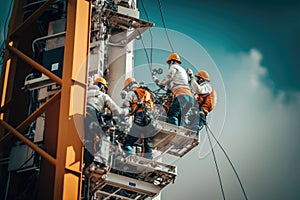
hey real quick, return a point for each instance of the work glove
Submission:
(123, 94)
(126, 111)
(155, 79)
(94, 126)
(189, 73)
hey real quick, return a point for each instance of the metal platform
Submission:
(122, 187)
(124, 22)
(152, 171)
(147, 180)
(174, 140)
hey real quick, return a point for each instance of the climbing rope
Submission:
(227, 157)
(164, 24)
(216, 164)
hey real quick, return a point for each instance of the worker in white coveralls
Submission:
(97, 103)
(205, 95)
(177, 80)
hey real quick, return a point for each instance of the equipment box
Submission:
(53, 60)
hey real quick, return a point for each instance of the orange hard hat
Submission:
(173, 56)
(203, 74)
(102, 81)
(128, 81)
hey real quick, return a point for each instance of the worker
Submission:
(206, 95)
(177, 80)
(141, 102)
(97, 103)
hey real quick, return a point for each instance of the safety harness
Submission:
(141, 112)
(202, 103)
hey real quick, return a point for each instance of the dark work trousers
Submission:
(179, 108)
(202, 121)
(139, 132)
(146, 148)
(91, 129)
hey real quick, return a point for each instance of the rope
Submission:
(144, 47)
(216, 164)
(231, 164)
(164, 24)
(150, 32)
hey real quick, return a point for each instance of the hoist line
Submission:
(164, 24)
(147, 55)
(216, 164)
(150, 32)
(231, 164)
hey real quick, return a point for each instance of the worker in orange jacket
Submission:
(206, 94)
(141, 103)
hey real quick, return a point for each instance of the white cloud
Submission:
(255, 55)
(257, 71)
(264, 127)
(267, 129)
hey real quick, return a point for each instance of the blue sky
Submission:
(255, 46)
(4, 20)
(270, 26)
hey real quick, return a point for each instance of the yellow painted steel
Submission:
(67, 184)
(29, 143)
(20, 29)
(33, 116)
(61, 170)
(34, 64)
(7, 68)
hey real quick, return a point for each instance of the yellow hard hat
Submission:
(173, 56)
(102, 81)
(128, 81)
(203, 74)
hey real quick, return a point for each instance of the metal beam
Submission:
(33, 116)
(6, 106)
(69, 152)
(112, 195)
(34, 64)
(4, 84)
(36, 148)
(31, 19)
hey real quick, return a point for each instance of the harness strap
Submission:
(143, 145)
(138, 104)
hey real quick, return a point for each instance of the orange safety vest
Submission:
(145, 97)
(208, 101)
(182, 91)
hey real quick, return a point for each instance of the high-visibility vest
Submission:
(145, 98)
(208, 102)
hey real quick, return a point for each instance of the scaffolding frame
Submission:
(67, 157)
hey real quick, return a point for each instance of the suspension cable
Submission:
(216, 164)
(231, 164)
(150, 32)
(147, 55)
(164, 24)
